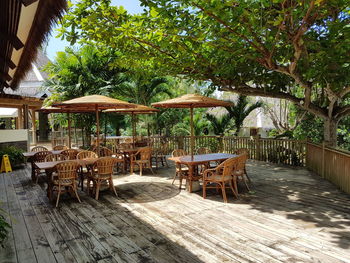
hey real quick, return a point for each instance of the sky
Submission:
(56, 44)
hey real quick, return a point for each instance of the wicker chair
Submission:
(70, 153)
(203, 150)
(241, 151)
(60, 148)
(85, 171)
(55, 157)
(66, 177)
(159, 155)
(239, 173)
(104, 152)
(39, 149)
(102, 171)
(38, 157)
(142, 158)
(181, 171)
(220, 176)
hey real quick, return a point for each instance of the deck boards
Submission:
(289, 216)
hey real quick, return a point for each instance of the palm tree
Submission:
(219, 124)
(145, 91)
(240, 110)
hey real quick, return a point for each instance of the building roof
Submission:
(24, 25)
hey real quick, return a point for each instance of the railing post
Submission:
(257, 147)
(323, 159)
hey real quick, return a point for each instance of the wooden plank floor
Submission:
(289, 216)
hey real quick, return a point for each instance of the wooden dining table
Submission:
(201, 159)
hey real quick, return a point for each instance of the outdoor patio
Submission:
(289, 216)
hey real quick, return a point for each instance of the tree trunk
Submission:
(330, 132)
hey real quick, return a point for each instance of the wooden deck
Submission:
(289, 216)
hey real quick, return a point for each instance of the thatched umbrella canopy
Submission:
(191, 101)
(139, 109)
(94, 103)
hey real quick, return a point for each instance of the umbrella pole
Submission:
(133, 128)
(98, 130)
(69, 131)
(192, 138)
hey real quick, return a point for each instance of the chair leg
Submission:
(111, 186)
(58, 195)
(140, 166)
(150, 167)
(166, 162)
(223, 190)
(245, 182)
(233, 190)
(235, 185)
(204, 189)
(76, 193)
(180, 181)
(98, 184)
(245, 172)
(174, 178)
(131, 167)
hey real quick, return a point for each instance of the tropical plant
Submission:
(240, 110)
(219, 123)
(15, 154)
(294, 50)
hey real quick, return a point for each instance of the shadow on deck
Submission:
(290, 215)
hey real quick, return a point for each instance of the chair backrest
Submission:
(60, 147)
(242, 151)
(144, 153)
(39, 149)
(241, 160)
(70, 153)
(203, 150)
(125, 145)
(55, 157)
(105, 165)
(86, 154)
(39, 157)
(104, 152)
(227, 167)
(67, 170)
(178, 152)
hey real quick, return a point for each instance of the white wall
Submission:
(13, 135)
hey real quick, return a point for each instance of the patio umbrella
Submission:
(191, 101)
(94, 103)
(139, 109)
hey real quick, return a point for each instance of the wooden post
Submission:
(323, 159)
(20, 118)
(34, 127)
(257, 147)
(25, 117)
(97, 128)
(69, 131)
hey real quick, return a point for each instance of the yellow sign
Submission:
(5, 164)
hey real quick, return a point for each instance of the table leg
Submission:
(33, 170)
(190, 176)
(49, 183)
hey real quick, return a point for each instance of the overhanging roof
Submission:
(16, 101)
(24, 25)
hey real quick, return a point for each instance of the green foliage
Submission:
(15, 154)
(297, 50)
(311, 128)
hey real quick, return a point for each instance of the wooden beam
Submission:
(14, 40)
(8, 62)
(27, 2)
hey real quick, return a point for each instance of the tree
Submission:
(219, 123)
(293, 50)
(240, 110)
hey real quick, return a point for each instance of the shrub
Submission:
(15, 154)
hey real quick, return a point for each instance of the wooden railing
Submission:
(289, 152)
(331, 164)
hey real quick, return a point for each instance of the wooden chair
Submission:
(203, 150)
(241, 151)
(39, 149)
(239, 173)
(55, 157)
(142, 158)
(85, 171)
(159, 155)
(220, 176)
(60, 147)
(66, 177)
(104, 152)
(102, 171)
(38, 157)
(70, 153)
(181, 171)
